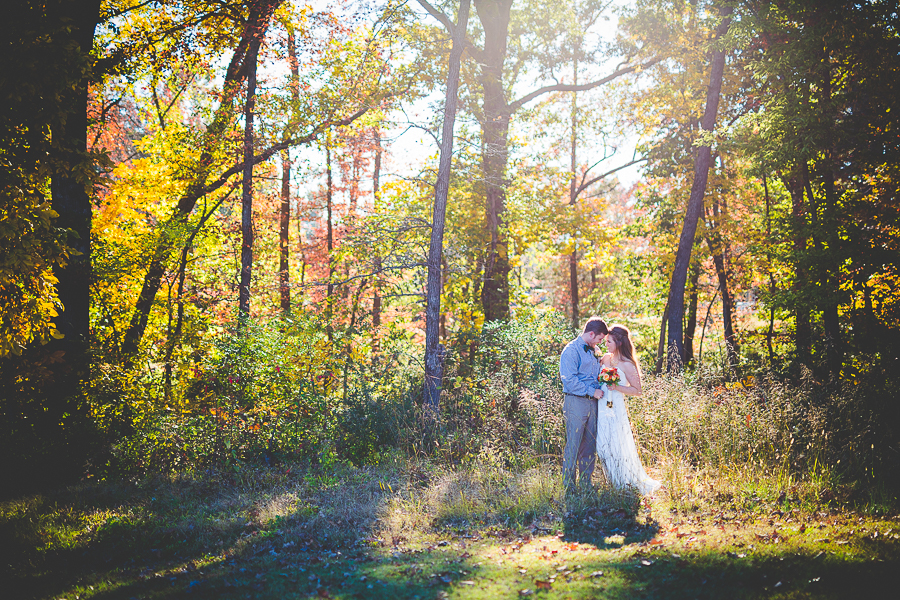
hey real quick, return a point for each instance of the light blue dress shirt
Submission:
(579, 369)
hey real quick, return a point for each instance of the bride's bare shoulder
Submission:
(628, 365)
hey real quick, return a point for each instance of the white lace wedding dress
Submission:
(615, 444)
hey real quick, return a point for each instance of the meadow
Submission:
(758, 501)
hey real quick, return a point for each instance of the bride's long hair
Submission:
(624, 346)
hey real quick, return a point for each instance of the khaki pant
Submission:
(581, 439)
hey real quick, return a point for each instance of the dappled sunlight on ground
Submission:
(353, 536)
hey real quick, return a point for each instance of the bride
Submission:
(615, 441)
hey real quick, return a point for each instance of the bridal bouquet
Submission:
(609, 376)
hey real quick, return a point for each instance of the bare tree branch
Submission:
(444, 19)
(275, 148)
(568, 87)
(589, 183)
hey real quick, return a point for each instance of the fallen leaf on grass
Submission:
(526, 592)
(597, 574)
(543, 585)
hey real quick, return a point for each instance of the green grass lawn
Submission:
(407, 531)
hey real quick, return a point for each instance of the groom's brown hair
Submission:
(596, 325)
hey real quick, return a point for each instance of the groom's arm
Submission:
(574, 382)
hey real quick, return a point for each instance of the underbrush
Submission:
(804, 444)
(277, 394)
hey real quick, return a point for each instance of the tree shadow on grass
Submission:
(710, 574)
(645, 569)
(303, 575)
(161, 541)
(100, 535)
(653, 575)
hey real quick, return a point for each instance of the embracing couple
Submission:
(596, 417)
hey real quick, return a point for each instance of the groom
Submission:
(578, 369)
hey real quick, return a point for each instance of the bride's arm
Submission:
(634, 378)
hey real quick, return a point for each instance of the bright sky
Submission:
(410, 146)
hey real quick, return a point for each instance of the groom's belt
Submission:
(580, 396)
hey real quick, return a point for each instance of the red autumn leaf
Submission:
(543, 585)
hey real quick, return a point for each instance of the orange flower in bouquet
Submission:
(609, 376)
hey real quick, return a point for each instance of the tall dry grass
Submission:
(759, 438)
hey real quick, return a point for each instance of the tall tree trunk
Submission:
(718, 247)
(247, 189)
(496, 113)
(690, 328)
(62, 399)
(718, 257)
(870, 321)
(173, 335)
(661, 346)
(802, 327)
(376, 294)
(573, 196)
(494, 17)
(573, 282)
(702, 163)
(830, 228)
(284, 278)
(703, 330)
(329, 240)
(69, 198)
(284, 238)
(771, 331)
(434, 365)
